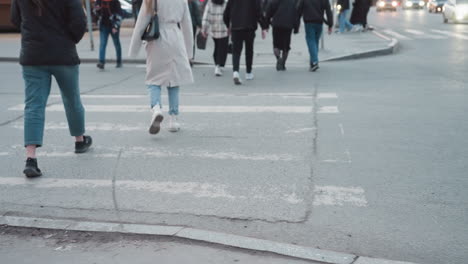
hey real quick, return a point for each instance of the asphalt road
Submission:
(367, 157)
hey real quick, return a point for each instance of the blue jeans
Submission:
(104, 32)
(343, 20)
(313, 33)
(37, 80)
(173, 92)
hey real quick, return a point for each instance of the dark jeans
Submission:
(220, 51)
(38, 80)
(313, 34)
(105, 31)
(238, 39)
(282, 38)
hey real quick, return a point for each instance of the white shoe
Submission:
(156, 120)
(174, 126)
(237, 79)
(249, 76)
(222, 69)
(218, 71)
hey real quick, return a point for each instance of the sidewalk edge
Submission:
(392, 47)
(248, 243)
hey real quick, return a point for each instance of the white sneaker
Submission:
(174, 126)
(156, 120)
(222, 69)
(237, 79)
(218, 71)
(249, 76)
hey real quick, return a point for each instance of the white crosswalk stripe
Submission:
(421, 34)
(395, 34)
(451, 34)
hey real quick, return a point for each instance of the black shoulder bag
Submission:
(152, 29)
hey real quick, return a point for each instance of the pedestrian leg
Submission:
(156, 106)
(68, 81)
(37, 80)
(104, 32)
(237, 43)
(118, 47)
(249, 51)
(173, 93)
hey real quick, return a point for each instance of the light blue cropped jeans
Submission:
(173, 93)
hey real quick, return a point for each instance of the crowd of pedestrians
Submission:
(232, 24)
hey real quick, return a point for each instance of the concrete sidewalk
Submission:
(337, 47)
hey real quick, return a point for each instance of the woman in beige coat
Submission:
(167, 61)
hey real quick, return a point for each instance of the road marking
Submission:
(328, 110)
(191, 109)
(421, 34)
(158, 152)
(91, 126)
(451, 34)
(4, 153)
(323, 195)
(395, 34)
(301, 130)
(143, 96)
(339, 196)
(341, 129)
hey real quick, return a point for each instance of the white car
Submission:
(455, 11)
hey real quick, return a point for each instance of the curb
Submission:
(284, 249)
(391, 48)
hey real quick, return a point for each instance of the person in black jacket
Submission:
(50, 30)
(109, 14)
(241, 17)
(313, 14)
(283, 16)
(359, 13)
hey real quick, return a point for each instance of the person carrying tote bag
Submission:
(167, 57)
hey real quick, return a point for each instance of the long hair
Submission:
(39, 6)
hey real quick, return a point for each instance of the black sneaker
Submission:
(100, 65)
(83, 146)
(31, 170)
(314, 67)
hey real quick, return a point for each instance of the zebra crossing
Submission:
(236, 155)
(416, 34)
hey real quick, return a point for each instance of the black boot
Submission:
(277, 53)
(31, 170)
(283, 60)
(83, 146)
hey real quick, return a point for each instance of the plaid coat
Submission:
(213, 23)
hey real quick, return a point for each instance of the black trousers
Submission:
(282, 38)
(238, 39)
(220, 51)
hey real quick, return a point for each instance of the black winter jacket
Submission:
(313, 11)
(49, 38)
(283, 14)
(109, 13)
(344, 4)
(244, 15)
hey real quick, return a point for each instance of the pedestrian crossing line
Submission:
(195, 109)
(421, 34)
(323, 195)
(4, 153)
(397, 35)
(301, 130)
(451, 34)
(143, 96)
(140, 152)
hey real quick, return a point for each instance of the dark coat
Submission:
(49, 38)
(109, 14)
(244, 15)
(344, 4)
(314, 10)
(360, 11)
(283, 14)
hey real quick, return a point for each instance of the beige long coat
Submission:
(167, 60)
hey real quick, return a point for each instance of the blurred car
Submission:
(455, 11)
(383, 5)
(413, 4)
(435, 6)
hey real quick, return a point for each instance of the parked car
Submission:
(383, 5)
(413, 4)
(435, 6)
(455, 11)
